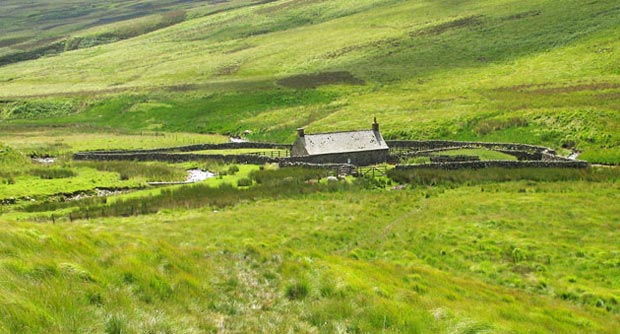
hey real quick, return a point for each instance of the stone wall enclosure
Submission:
(530, 156)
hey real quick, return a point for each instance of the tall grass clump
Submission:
(280, 183)
(12, 164)
(50, 173)
(152, 171)
(297, 290)
(431, 177)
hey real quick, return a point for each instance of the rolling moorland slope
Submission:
(261, 249)
(540, 72)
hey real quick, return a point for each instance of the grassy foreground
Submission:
(262, 251)
(515, 257)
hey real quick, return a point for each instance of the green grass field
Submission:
(481, 153)
(261, 249)
(518, 257)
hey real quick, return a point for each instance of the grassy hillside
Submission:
(38, 28)
(265, 250)
(539, 72)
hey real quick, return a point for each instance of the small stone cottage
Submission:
(364, 147)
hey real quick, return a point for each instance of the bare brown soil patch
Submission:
(302, 81)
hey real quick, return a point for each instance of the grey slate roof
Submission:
(341, 142)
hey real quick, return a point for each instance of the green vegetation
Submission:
(128, 169)
(531, 72)
(420, 260)
(60, 140)
(483, 154)
(429, 177)
(90, 247)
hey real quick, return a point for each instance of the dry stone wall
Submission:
(428, 145)
(364, 158)
(342, 169)
(498, 164)
(454, 158)
(202, 147)
(171, 157)
(529, 156)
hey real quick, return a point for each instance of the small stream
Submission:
(193, 176)
(44, 161)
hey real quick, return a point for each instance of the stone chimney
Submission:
(375, 125)
(300, 132)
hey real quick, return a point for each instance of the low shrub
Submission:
(245, 182)
(232, 170)
(431, 177)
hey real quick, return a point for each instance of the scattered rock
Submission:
(574, 155)
(8, 201)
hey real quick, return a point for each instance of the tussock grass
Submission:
(132, 169)
(491, 175)
(270, 184)
(460, 260)
(52, 173)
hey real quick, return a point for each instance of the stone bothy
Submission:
(364, 147)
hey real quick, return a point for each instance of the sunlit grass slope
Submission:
(515, 258)
(541, 72)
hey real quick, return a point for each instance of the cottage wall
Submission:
(298, 149)
(363, 158)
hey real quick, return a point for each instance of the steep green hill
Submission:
(35, 29)
(540, 72)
